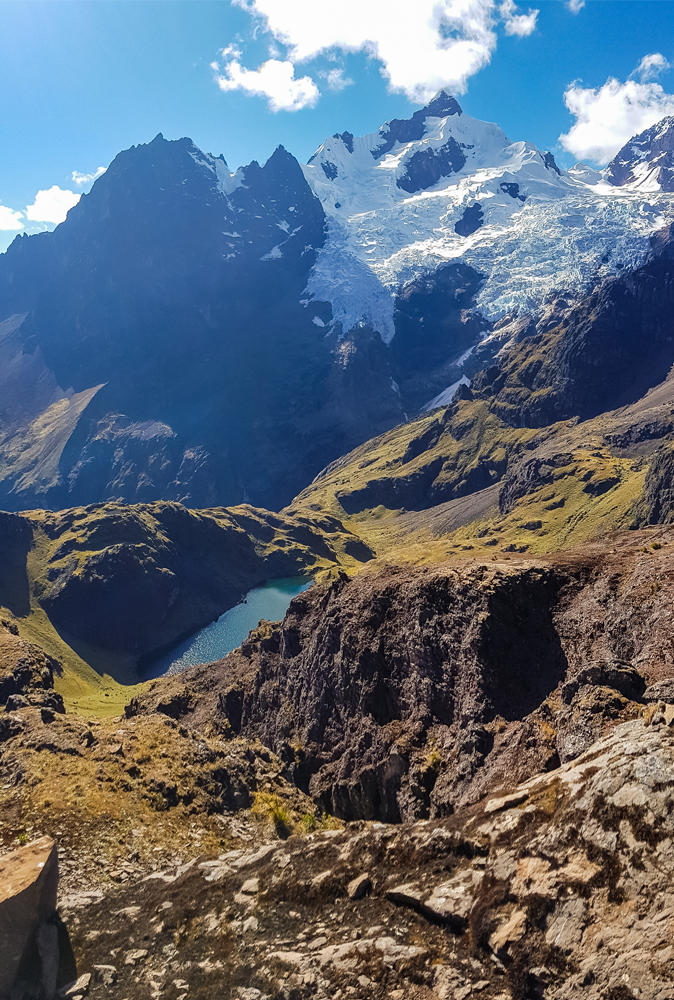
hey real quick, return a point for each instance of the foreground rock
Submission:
(561, 889)
(29, 950)
(410, 692)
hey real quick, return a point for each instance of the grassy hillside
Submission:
(98, 588)
(461, 481)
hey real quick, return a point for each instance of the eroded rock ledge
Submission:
(561, 889)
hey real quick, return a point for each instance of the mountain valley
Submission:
(430, 372)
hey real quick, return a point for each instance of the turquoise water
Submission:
(228, 632)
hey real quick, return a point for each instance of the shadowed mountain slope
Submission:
(164, 323)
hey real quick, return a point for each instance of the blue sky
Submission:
(82, 79)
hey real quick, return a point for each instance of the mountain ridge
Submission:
(216, 337)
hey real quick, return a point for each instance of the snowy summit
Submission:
(444, 186)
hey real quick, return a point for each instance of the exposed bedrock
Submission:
(657, 503)
(436, 324)
(561, 890)
(412, 691)
(26, 673)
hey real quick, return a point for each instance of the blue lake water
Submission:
(229, 631)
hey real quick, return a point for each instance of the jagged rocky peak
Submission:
(443, 105)
(173, 265)
(647, 160)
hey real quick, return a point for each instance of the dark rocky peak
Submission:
(274, 209)
(549, 161)
(162, 172)
(347, 139)
(281, 177)
(161, 205)
(651, 153)
(156, 206)
(443, 105)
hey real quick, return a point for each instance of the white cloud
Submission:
(606, 117)
(517, 24)
(274, 80)
(231, 52)
(51, 205)
(422, 46)
(82, 179)
(575, 5)
(335, 79)
(10, 221)
(651, 66)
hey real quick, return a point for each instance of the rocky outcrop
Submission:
(657, 504)
(29, 950)
(412, 692)
(383, 682)
(560, 889)
(647, 157)
(26, 672)
(428, 166)
(123, 797)
(435, 325)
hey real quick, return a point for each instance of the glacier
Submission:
(540, 230)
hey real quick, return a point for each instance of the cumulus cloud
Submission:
(575, 5)
(275, 80)
(82, 179)
(651, 66)
(517, 24)
(607, 116)
(335, 79)
(10, 221)
(422, 47)
(52, 205)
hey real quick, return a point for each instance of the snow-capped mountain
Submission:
(213, 336)
(646, 162)
(443, 186)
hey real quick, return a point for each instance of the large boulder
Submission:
(28, 885)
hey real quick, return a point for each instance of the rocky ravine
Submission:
(417, 694)
(560, 889)
(410, 692)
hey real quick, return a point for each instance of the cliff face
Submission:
(603, 352)
(410, 692)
